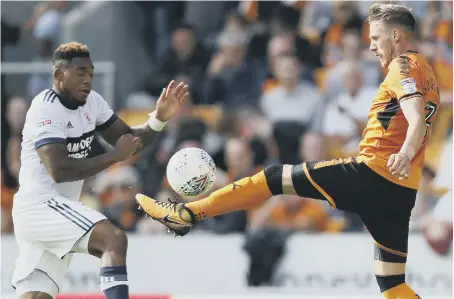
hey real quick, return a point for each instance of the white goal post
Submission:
(105, 68)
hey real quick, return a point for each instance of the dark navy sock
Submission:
(114, 282)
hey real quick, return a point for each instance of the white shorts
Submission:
(48, 231)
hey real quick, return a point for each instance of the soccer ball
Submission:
(191, 172)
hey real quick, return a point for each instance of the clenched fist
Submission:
(399, 165)
(127, 145)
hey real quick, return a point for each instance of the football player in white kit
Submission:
(50, 223)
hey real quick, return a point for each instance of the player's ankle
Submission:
(187, 214)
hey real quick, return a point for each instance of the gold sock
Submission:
(402, 291)
(240, 195)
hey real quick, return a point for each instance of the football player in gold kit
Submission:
(380, 184)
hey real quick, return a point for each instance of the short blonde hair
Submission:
(393, 14)
(66, 52)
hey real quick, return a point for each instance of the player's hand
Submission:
(171, 101)
(126, 146)
(399, 165)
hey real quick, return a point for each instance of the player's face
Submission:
(382, 42)
(78, 79)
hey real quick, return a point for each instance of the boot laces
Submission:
(171, 205)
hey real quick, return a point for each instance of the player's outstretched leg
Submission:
(240, 195)
(110, 244)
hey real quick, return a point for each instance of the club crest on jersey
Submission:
(409, 85)
(88, 117)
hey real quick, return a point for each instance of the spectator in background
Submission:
(10, 36)
(186, 57)
(240, 162)
(285, 23)
(281, 18)
(278, 45)
(207, 18)
(290, 107)
(239, 159)
(159, 17)
(352, 51)
(346, 117)
(16, 111)
(235, 22)
(231, 80)
(287, 212)
(345, 17)
(316, 17)
(441, 29)
(293, 99)
(313, 146)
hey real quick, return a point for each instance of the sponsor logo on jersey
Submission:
(80, 147)
(409, 85)
(70, 125)
(43, 123)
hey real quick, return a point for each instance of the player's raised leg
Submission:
(244, 194)
(110, 244)
(240, 195)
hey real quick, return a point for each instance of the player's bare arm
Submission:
(167, 106)
(413, 110)
(62, 168)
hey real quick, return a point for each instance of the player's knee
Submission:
(388, 282)
(388, 263)
(106, 237)
(118, 240)
(384, 255)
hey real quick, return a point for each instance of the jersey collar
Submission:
(410, 51)
(66, 101)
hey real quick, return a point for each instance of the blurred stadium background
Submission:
(274, 81)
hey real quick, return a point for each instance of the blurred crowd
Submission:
(270, 82)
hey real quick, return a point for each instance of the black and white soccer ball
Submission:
(191, 171)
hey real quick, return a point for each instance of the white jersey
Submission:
(52, 119)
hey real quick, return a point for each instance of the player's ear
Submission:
(58, 74)
(396, 34)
